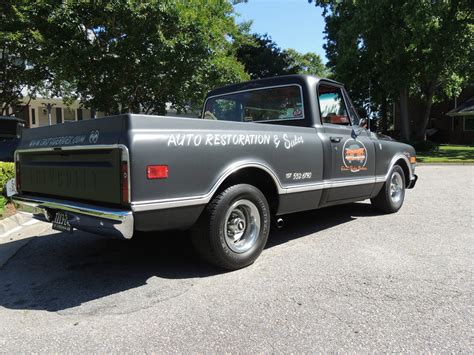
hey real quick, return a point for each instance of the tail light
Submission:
(157, 172)
(124, 182)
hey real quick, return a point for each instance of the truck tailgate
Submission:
(92, 175)
(73, 161)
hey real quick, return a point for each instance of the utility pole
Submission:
(48, 107)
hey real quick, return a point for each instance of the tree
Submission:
(444, 53)
(404, 49)
(307, 63)
(263, 58)
(134, 56)
(18, 51)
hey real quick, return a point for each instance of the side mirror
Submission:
(363, 122)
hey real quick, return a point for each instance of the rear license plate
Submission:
(61, 223)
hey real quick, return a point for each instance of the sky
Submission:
(290, 23)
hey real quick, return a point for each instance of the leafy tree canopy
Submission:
(18, 50)
(307, 63)
(131, 56)
(400, 49)
(263, 58)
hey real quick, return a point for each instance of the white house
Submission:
(35, 112)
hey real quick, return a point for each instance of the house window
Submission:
(79, 114)
(33, 116)
(69, 114)
(469, 123)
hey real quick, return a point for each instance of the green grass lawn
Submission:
(448, 154)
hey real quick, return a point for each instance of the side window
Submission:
(332, 106)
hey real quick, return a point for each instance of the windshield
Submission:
(278, 103)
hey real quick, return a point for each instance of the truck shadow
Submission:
(57, 272)
(301, 224)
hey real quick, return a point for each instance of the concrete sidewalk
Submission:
(12, 222)
(16, 231)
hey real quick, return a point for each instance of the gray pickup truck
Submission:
(261, 149)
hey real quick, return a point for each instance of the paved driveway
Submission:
(340, 279)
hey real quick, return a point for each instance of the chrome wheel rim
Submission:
(242, 226)
(396, 187)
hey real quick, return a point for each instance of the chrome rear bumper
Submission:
(89, 218)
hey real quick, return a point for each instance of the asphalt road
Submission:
(341, 279)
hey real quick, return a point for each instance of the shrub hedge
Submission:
(7, 171)
(425, 146)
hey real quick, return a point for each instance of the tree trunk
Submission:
(382, 125)
(404, 119)
(421, 129)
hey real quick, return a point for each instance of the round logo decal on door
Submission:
(354, 156)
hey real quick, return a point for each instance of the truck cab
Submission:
(351, 152)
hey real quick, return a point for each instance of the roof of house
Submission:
(464, 109)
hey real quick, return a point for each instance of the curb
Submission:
(14, 221)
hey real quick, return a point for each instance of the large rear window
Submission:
(270, 104)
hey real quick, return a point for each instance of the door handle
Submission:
(336, 139)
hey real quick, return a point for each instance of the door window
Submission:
(332, 107)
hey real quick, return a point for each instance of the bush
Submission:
(425, 146)
(7, 171)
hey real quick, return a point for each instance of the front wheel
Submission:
(234, 227)
(390, 198)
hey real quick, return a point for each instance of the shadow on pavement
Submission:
(301, 224)
(56, 272)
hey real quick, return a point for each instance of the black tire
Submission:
(233, 212)
(388, 200)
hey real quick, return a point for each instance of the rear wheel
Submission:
(390, 198)
(234, 227)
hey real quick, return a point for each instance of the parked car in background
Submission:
(10, 134)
